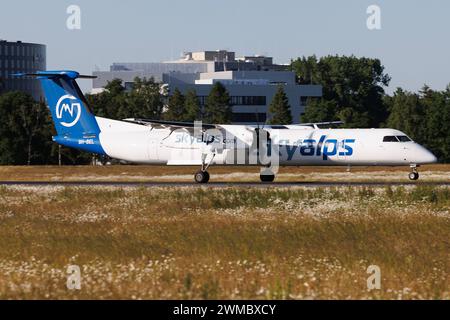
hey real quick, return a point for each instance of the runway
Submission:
(221, 184)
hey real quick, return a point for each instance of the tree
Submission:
(441, 118)
(425, 117)
(192, 107)
(110, 103)
(406, 113)
(436, 108)
(305, 69)
(145, 99)
(280, 109)
(25, 130)
(176, 109)
(218, 108)
(33, 125)
(352, 87)
(319, 110)
(115, 87)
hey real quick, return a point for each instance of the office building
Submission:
(21, 57)
(251, 81)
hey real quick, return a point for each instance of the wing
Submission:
(317, 124)
(243, 133)
(173, 125)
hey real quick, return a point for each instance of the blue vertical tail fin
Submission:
(73, 119)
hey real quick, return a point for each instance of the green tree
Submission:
(305, 69)
(145, 99)
(436, 106)
(218, 108)
(25, 130)
(406, 113)
(34, 123)
(111, 103)
(279, 108)
(320, 110)
(424, 116)
(192, 107)
(176, 109)
(353, 89)
(115, 87)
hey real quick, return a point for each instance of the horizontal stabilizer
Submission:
(55, 74)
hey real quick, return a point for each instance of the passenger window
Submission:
(390, 139)
(403, 138)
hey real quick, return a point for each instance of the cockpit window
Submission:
(396, 139)
(403, 138)
(390, 139)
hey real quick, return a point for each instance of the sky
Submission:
(413, 42)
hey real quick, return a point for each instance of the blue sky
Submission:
(413, 42)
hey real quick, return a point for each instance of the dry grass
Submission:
(229, 243)
(439, 172)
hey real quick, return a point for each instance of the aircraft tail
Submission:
(73, 119)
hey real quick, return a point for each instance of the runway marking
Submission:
(221, 184)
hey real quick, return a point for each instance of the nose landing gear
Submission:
(414, 174)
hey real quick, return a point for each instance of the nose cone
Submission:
(424, 156)
(431, 158)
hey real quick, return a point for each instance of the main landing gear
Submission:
(267, 175)
(267, 178)
(202, 176)
(414, 174)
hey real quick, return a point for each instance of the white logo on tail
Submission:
(68, 107)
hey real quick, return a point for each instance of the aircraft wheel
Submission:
(267, 177)
(207, 176)
(201, 176)
(413, 175)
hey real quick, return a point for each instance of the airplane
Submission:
(146, 141)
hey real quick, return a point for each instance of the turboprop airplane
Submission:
(196, 144)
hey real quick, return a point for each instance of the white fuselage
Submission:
(235, 144)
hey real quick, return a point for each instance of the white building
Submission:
(251, 81)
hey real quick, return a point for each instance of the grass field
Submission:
(226, 243)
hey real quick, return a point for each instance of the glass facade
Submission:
(247, 117)
(248, 100)
(21, 57)
(240, 100)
